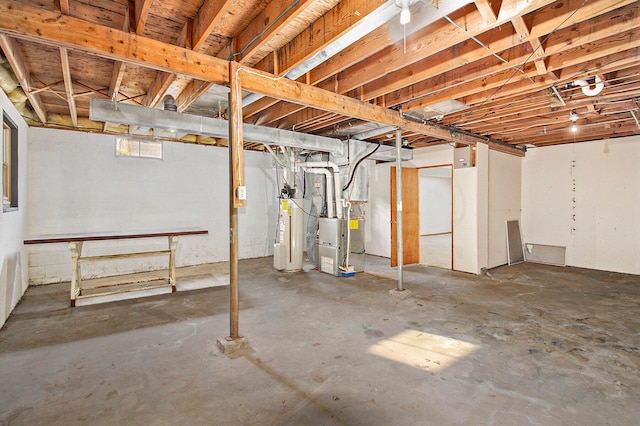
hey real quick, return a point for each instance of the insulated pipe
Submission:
(336, 181)
(399, 242)
(587, 90)
(329, 176)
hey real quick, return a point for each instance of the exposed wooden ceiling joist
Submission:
(141, 12)
(13, 55)
(41, 28)
(68, 85)
(209, 15)
(500, 58)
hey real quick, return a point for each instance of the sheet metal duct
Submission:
(112, 112)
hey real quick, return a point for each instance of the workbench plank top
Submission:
(112, 235)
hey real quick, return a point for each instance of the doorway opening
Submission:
(436, 216)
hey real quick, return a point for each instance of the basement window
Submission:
(9, 165)
(127, 147)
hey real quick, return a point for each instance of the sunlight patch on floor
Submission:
(423, 350)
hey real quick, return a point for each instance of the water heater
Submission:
(289, 246)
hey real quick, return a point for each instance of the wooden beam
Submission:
(393, 62)
(193, 91)
(310, 96)
(163, 81)
(42, 26)
(68, 85)
(47, 27)
(158, 89)
(209, 15)
(46, 87)
(266, 25)
(314, 39)
(469, 51)
(521, 28)
(577, 58)
(13, 55)
(184, 39)
(62, 6)
(489, 9)
(614, 61)
(236, 181)
(236, 153)
(142, 8)
(116, 79)
(119, 67)
(437, 72)
(609, 28)
(197, 88)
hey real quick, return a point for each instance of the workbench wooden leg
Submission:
(76, 279)
(173, 244)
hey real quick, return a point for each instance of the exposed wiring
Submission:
(353, 173)
(542, 43)
(303, 210)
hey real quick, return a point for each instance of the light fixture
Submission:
(573, 116)
(405, 14)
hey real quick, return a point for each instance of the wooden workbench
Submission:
(75, 242)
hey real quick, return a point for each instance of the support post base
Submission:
(404, 294)
(231, 347)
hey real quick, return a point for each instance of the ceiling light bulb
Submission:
(573, 116)
(574, 128)
(405, 14)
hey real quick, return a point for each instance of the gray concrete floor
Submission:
(530, 344)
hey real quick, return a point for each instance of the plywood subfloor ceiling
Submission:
(517, 68)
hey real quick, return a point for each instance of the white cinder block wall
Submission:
(78, 184)
(13, 224)
(586, 197)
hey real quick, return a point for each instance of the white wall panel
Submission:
(13, 224)
(435, 203)
(585, 196)
(465, 220)
(504, 202)
(378, 213)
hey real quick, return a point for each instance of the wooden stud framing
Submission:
(13, 55)
(68, 85)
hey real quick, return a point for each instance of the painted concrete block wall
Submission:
(78, 184)
(13, 224)
(585, 197)
(435, 215)
(504, 202)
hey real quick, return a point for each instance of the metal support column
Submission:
(399, 241)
